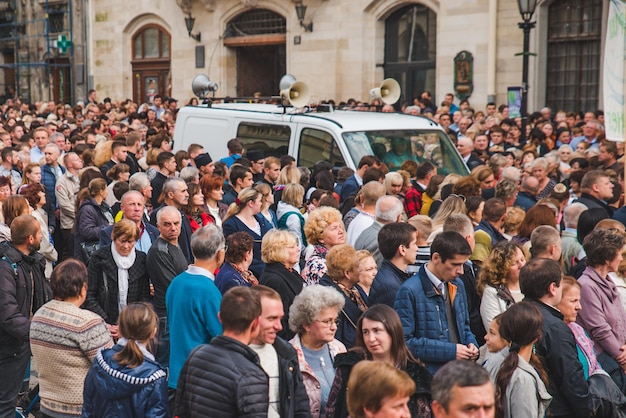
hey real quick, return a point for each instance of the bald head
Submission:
(372, 191)
(388, 209)
(530, 184)
(132, 205)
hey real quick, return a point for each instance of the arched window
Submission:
(574, 42)
(411, 48)
(150, 43)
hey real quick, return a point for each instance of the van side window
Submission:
(318, 145)
(272, 139)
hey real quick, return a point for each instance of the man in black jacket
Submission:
(540, 281)
(225, 378)
(23, 290)
(288, 396)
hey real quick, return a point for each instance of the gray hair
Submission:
(206, 242)
(388, 208)
(461, 373)
(541, 162)
(53, 146)
(572, 213)
(542, 237)
(511, 173)
(189, 173)
(506, 189)
(56, 135)
(166, 210)
(171, 185)
(138, 181)
(459, 223)
(308, 304)
(24, 156)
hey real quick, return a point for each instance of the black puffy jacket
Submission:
(557, 349)
(222, 379)
(19, 299)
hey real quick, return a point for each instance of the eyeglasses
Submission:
(329, 322)
(225, 248)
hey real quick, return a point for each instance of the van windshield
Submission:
(393, 147)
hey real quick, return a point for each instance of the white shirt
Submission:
(439, 285)
(269, 361)
(192, 269)
(360, 223)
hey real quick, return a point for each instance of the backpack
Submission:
(282, 224)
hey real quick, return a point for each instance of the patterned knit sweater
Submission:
(64, 340)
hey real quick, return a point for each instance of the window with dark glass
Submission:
(316, 145)
(151, 43)
(574, 43)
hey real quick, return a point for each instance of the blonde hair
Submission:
(125, 228)
(514, 218)
(289, 174)
(103, 153)
(450, 206)
(293, 194)
(274, 245)
(339, 259)
(317, 222)
(245, 195)
(265, 190)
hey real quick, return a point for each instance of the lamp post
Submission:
(526, 10)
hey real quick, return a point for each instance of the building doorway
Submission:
(410, 49)
(252, 77)
(61, 80)
(151, 64)
(259, 39)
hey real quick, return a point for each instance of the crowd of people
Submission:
(142, 282)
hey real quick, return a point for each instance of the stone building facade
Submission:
(343, 48)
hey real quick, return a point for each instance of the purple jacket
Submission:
(602, 314)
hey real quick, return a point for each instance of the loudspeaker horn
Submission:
(295, 92)
(389, 91)
(202, 85)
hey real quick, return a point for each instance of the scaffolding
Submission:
(33, 65)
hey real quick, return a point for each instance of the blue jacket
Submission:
(495, 236)
(350, 188)
(49, 182)
(386, 284)
(105, 234)
(112, 390)
(422, 311)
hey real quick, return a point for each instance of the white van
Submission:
(340, 137)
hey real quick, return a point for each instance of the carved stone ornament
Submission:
(185, 5)
(250, 3)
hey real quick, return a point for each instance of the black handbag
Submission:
(88, 248)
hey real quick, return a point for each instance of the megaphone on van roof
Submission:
(296, 93)
(389, 91)
(202, 85)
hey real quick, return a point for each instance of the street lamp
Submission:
(301, 14)
(526, 10)
(189, 23)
